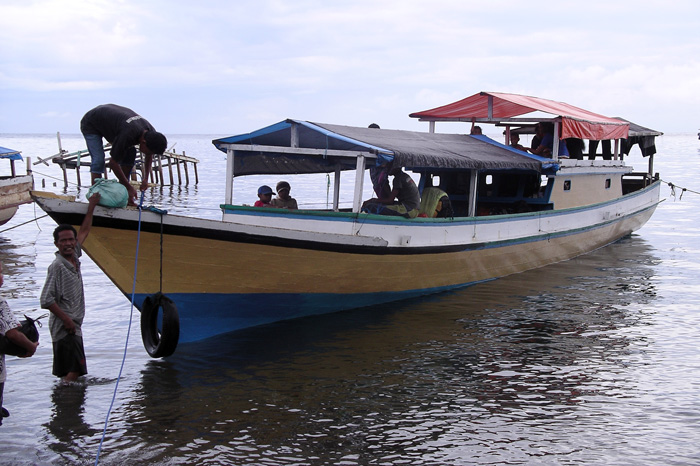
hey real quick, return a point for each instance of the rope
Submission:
(128, 332)
(24, 223)
(673, 189)
(161, 253)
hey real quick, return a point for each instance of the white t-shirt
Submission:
(8, 321)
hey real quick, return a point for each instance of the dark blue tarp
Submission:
(410, 149)
(11, 154)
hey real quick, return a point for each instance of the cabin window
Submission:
(567, 185)
(436, 180)
(607, 183)
(489, 179)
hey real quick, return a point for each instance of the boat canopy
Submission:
(496, 106)
(295, 146)
(11, 154)
(638, 134)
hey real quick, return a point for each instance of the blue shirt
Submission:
(548, 141)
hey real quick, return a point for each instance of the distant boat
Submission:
(509, 211)
(14, 189)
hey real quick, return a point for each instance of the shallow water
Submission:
(591, 361)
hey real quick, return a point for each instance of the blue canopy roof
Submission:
(11, 154)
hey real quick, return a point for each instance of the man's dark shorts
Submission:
(69, 356)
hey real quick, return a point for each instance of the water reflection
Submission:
(69, 433)
(425, 381)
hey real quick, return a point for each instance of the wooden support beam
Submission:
(170, 170)
(187, 175)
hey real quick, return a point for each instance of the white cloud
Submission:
(345, 61)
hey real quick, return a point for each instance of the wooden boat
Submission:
(14, 189)
(512, 211)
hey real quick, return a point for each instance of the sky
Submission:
(226, 67)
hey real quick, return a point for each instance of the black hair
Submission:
(63, 227)
(547, 127)
(155, 141)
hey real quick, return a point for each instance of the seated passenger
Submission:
(476, 130)
(380, 180)
(515, 142)
(264, 196)
(403, 200)
(435, 203)
(283, 199)
(547, 143)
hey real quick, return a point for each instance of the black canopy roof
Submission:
(321, 148)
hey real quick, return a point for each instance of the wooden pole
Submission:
(65, 176)
(170, 170)
(160, 169)
(187, 175)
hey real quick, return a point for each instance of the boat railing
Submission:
(635, 181)
(174, 163)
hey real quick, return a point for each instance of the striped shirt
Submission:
(64, 286)
(8, 321)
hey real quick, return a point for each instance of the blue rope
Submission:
(128, 332)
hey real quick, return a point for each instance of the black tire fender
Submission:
(159, 342)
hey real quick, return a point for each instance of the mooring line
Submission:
(24, 223)
(128, 332)
(673, 189)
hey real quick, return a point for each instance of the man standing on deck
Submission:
(124, 129)
(63, 295)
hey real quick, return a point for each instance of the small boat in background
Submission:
(510, 211)
(14, 189)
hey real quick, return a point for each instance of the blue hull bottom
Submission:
(206, 315)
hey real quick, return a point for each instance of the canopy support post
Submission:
(555, 141)
(294, 140)
(228, 199)
(473, 179)
(359, 182)
(336, 189)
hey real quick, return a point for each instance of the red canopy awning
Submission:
(575, 122)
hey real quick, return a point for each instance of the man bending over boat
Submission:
(403, 200)
(124, 129)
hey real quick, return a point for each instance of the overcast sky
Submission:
(226, 67)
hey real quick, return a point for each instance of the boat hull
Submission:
(225, 276)
(14, 191)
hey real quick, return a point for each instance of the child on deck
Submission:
(283, 199)
(264, 197)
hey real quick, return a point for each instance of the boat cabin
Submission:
(479, 175)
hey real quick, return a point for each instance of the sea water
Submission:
(592, 361)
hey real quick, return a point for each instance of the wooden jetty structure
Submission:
(176, 165)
